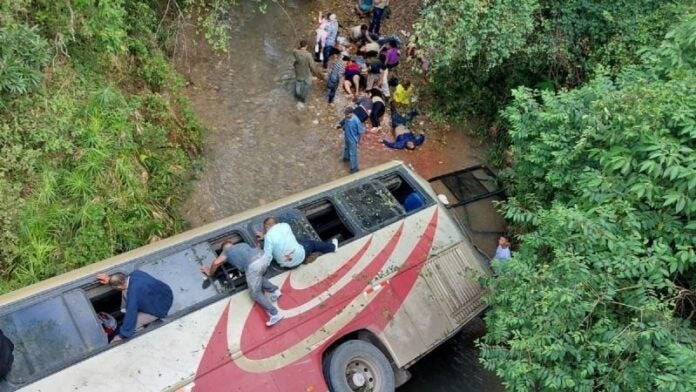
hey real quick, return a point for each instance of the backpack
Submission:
(6, 357)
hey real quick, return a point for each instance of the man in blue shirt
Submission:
(352, 130)
(250, 261)
(279, 243)
(332, 35)
(145, 299)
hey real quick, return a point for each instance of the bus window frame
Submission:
(429, 201)
(341, 213)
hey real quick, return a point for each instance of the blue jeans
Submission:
(301, 89)
(327, 53)
(316, 246)
(331, 92)
(376, 22)
(350, 153)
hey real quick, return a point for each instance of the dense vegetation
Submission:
(599, 102)
(97, 145)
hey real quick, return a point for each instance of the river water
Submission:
(260, 147)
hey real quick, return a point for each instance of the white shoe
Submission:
(300, 106)
(274, 319)
(275, 295)
(335, 244)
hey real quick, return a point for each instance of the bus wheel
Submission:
(357, 365)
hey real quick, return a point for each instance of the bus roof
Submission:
(114, 261)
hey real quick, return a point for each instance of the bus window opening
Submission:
(107, 300)
(402, 191)
(325, 220)
(227, 276)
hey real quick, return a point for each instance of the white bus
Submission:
(400, 284)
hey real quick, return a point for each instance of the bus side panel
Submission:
(445, 296)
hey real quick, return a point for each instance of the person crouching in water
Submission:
(250, 261)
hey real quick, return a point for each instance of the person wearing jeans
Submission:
(377, 14)
(332, 35)
(352, 130)
(250, 261)
(279, 243)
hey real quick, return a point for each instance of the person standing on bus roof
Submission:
(250, 261)
(146, 299)
(279, 243)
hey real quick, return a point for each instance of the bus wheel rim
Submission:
(360, 374)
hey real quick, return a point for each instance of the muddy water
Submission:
(260, 147)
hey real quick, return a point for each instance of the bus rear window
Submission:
(372, 204)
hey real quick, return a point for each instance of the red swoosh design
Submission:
(308, 322)
(294, 297)
(217, 371)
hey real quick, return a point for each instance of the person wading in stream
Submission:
(304, 67)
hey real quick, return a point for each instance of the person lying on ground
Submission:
(375, 71)
(403, 137)
(359, 35)
(364, 7)
(363, 107)
(279, 243)
(378, 109)
(304, 68)
(335, 77)
(144, 300)
(352, 78)
(250, 261)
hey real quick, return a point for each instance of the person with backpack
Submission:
(6, 356)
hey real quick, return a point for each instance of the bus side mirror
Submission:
(443, 199)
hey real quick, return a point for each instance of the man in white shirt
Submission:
(280, 244)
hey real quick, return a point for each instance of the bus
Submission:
(400, 283)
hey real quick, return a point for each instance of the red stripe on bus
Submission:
(294, 297)
(292, 330)
(218, 372)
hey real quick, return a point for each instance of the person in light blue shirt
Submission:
(279, 243)
(502, 252)
(331, 36)
(353, 128)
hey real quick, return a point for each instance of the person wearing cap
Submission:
(352, 130)
(331, 36)
(250, 261)
(145, 299)
(304, 68)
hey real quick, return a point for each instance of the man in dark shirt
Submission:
(250, 261)
(145, 299)
(304, 68)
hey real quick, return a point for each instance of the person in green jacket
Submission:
(304, 68)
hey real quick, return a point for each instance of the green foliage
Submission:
(480, 50)
(604, 190)
(22, 54)
(95, 160)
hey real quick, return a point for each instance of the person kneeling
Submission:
(145, 299)
(250, 261)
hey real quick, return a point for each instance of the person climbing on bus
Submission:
(250, 261)
(279, 243)
(144, 300)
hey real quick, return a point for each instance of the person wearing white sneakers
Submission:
(250, 261)
(280, 243)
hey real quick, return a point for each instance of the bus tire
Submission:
(357, 365)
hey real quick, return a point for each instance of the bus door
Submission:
(469, 195)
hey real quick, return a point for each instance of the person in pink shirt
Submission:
(322, 34)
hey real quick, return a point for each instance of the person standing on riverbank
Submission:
(335, 77)
(377, 15)
(352, 130)
(304, 68)
(331, 36)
